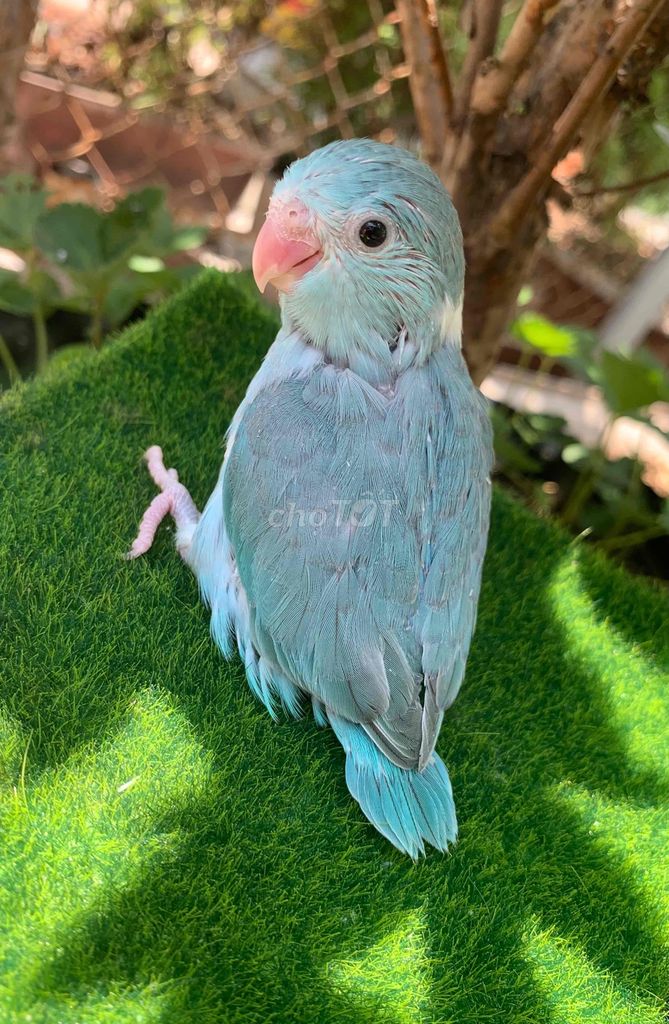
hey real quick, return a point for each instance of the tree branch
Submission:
(430, 80)
(17, 18)
(439, 55)
(483, 36)
(628, 186)
(591, 89)
(492, 86)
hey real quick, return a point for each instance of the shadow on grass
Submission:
(531, 717)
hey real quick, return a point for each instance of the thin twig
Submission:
(485, 25)
(492, 87)
(41, 338)
(7, 360)
(440, 57)
(593, 86)
(628, 186)
(634, 539)
(430, 80)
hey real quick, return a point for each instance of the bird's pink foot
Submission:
(173, 500)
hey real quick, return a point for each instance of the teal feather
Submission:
(407, 807)
(345, 539)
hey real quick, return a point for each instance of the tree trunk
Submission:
(17, 19)
(559, 80)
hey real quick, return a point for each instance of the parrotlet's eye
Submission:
(370, 233)
(373, 233)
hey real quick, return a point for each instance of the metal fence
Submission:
(214, 146)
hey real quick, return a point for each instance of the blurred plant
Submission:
(553, 471)
(636, 151)
(77, 258)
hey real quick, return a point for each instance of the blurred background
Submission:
(140, 140)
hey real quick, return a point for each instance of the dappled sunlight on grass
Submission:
(170, 854)
(629, 679)
(634, 838)
(84, 830)
(391, 980)
(145, 1004)
(575, 990)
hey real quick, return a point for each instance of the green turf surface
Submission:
(170, 855)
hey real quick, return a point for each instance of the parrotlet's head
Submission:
(364, 244)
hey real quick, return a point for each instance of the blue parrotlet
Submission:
(343, 542)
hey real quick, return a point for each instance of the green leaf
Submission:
(584, 360)
(71, 235)
(22, 297)
(510, 455)
(388, 34)
(188, 238)
(541, 334)
(185, 273)
(553, 426)
(146, 99)
(137, 209)
(131, 221)
(631, 383)
(163, 238)
(146, 264)
(126, 293)
(131, 289)
(663, 131)
(574, 453)
(22, 203)
(79, 302)
(538, 430)
(91, 243)
(15, 296)
(46, 289)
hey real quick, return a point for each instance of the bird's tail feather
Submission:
(408, 807)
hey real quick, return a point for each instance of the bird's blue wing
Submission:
(357, 518)
(289, 480)
(446, 435)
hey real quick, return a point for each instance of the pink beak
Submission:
(286, 249)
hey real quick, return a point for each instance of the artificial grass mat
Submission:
(169, 854)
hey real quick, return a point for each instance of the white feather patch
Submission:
(450, 318)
